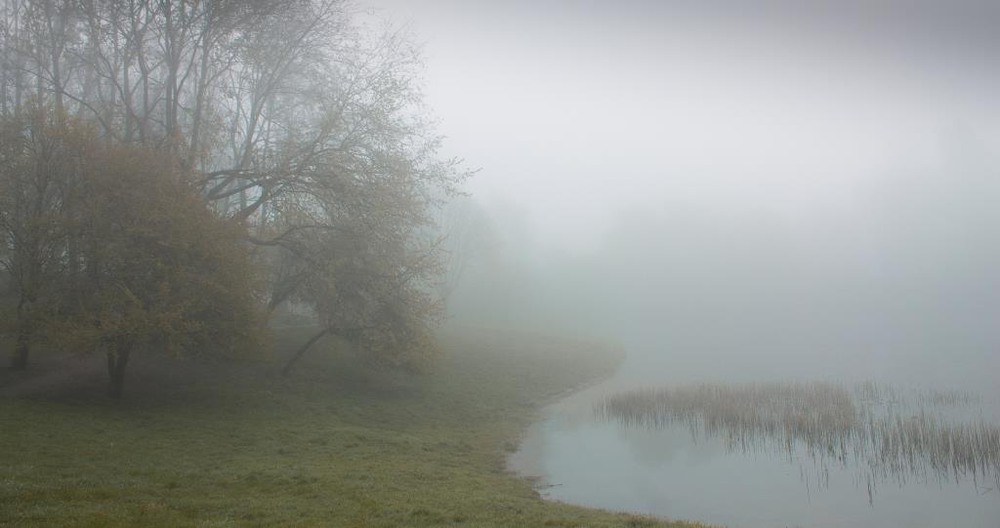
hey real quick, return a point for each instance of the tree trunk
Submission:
(19, 360)
(22, 346)
(194, 150)
(117, 361)
(302, 350)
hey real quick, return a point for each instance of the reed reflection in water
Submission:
(888, 434)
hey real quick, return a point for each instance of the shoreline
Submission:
(525, 461)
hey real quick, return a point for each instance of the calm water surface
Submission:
(682, 474)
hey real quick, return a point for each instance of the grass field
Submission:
(331, 445)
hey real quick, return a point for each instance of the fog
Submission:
(748, 190)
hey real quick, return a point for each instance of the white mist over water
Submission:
(734, 191)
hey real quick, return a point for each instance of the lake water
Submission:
(679, 472)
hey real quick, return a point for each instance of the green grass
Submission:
(331, 445)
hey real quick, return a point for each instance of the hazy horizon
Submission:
(753, 187)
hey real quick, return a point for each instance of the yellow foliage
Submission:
(144, 262)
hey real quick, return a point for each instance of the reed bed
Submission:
(887, 433)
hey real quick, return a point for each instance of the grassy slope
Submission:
(329, 446)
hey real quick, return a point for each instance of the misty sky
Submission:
(765, 186)
(578, 110)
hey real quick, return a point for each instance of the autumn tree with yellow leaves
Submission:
(294, 125)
